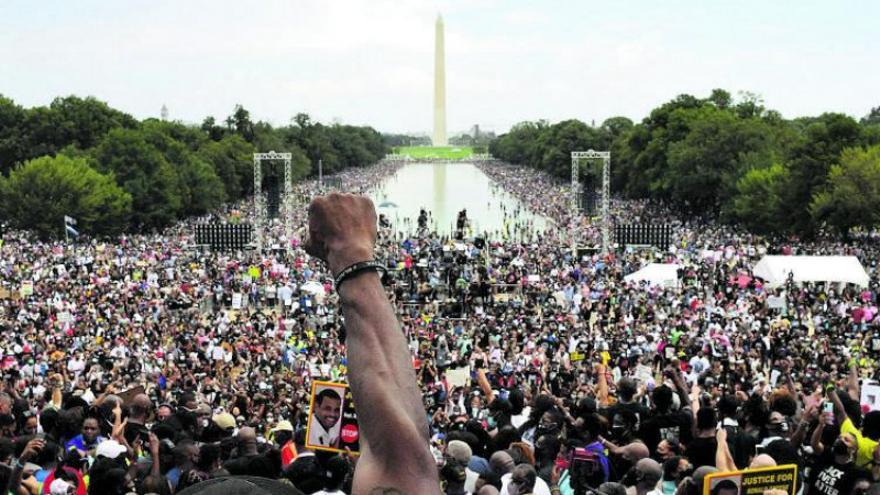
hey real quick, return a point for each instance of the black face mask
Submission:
(839, 448)
(542, 430)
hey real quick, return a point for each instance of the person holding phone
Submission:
(867, 439)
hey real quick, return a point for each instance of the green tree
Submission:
(233, 161)
(142, 171)
(199, 188)
(852, 196)
(758, 204)
(12, 140)
(41, 192)
(873, 117)
(704, 166)
(720, 98)
(824, 138)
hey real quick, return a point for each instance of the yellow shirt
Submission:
(865, 455)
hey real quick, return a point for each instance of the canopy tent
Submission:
(656, 274)
(775, 270)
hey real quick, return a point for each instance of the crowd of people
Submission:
(148, 364)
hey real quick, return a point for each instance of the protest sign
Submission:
(333, 424)
(236, 300)
(129, 395)
(458, 377)
(752, 481)
(871, 396)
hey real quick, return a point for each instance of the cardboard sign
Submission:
(871, 396)
(333, 424)
(130, 394)
(458, 377)
(752, 481)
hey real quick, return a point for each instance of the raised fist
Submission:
(342, 230)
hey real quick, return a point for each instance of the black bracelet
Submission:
(358, 268)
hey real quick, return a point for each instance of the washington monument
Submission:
(439, 86)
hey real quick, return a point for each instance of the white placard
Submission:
(458, 377)
(871, 396)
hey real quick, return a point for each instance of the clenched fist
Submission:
(342, 230)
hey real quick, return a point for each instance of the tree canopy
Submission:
(38, 195)
(165, 170)
(721, 155)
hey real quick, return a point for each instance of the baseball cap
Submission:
(224, 420)
(110, 449)
(283, 425)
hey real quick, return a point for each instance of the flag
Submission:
(69, 222)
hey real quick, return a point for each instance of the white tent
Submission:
(662, 274)
(775, 270)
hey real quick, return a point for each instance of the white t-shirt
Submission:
(541, 487)
(319, 436)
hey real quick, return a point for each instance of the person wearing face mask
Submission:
(835, 472)
(499, 414)
(626, 414)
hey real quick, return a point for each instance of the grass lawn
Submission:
(441, 152)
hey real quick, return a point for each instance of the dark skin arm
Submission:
(395, 457)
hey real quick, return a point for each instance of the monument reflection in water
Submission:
(444, 189)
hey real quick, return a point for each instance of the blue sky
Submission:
(371, 61)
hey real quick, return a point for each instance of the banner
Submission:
(752, 481)
(333, 424)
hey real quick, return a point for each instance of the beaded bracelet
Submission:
(358, 268)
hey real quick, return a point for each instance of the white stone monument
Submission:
(439, 86)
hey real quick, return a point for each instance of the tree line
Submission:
(114, 173)
(729, 158)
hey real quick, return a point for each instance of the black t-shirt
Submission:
(641, 413)
(701, 451)
(668, 426)
(831, 478)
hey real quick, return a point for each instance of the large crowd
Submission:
(149, 364)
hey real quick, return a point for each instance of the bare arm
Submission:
(485, 386)
(723, 458)
(816, 439)
(394, 429)
(839, 412)
(852, 385)
(800, 433)
(602, 393)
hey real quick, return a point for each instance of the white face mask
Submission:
(205, 423)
